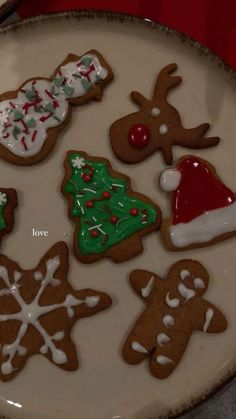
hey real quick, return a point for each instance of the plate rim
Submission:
(203, 50)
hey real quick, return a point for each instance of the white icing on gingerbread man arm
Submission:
(144, 282)
(210, 318)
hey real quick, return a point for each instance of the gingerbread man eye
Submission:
(139, 135)
(163, 129)
(155, 112)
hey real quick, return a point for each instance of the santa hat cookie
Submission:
(204, 209)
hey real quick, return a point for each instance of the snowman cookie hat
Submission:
(203, 208)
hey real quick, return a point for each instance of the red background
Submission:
(211, 22)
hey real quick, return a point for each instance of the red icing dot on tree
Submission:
(114, 219)
(89, 204)
(106, 195)
(133, 212)
(86, 177)
(139, 136)
(94, 233)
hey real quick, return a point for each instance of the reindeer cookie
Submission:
(32, 116)
(174, 310)
(157, 126)
(203, 208)
(38, 308)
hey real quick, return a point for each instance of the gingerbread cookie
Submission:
(157, 126)
(110, 217)
(38, 308)
(204, 209)
(32, 116)
(174, 310)
(8, 203)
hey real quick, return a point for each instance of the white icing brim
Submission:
(205, 227)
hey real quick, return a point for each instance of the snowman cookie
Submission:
(175, 308)
(32, 116)
(203, 208)
(157, 126)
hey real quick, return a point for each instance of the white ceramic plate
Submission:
(105, 387)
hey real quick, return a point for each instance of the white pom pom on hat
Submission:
(170, 179)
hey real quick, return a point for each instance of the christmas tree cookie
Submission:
(110, 217)
(174, 310)
(38, 308)
(8, 203)
(156, 126)
(204, 209)
(32, 116)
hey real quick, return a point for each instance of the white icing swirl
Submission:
(199, 283)
(168, 320)
(185, 292)
(172, 302)
(164, 360)
(184, 274)
(136, 346)
(208, 318)
(146, 291)
(162, 338)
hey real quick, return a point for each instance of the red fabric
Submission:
(211, 22)
(199, 191)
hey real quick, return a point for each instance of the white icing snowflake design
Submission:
(30, 313)
(3, 198)
(78, 162)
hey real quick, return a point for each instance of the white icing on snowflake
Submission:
(3, 198)
(78, 162)
(29, 314)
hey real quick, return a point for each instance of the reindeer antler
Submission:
(195, 137)
(166, 82)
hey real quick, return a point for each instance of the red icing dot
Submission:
(89, 204)
(139, 136)
(133, 212)
(106, 195)
(86, 177)
(94, 233)
(114, 219)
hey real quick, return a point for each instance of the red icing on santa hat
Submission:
(198, 191)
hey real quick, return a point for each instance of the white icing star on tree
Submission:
(38, 309)
(78, 162)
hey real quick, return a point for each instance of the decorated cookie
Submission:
(32, 116)
(156, 126)
(204, 209)
(8, 203)
(38, 308)
(110, 217)
(174, 310)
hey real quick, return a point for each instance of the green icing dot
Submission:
(18, 115)
(31, 123)
(30, 94)
(16, 131)
(48, 107)
(58, 81)
(86, 61)
(68, 90)
(86, 84)
(109, 220)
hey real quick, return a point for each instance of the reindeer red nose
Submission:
(139, 136)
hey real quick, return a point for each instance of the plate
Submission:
(105, 387)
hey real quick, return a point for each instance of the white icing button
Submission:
(163, 129)
(155, 112)
(172, 302)
(184, 274)
(170, 179)
(164, 360)
(199, 283)
(168, 320)
(138, 347)
(162, 338)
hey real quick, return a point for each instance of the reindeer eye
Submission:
(163, 129)
(155, 112)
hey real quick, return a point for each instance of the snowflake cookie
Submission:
(156, 126)
(38, 308)
(110, 217)
(32, 116)
(174, 310)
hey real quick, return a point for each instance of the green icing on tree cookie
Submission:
(3, 203)
(108, 213)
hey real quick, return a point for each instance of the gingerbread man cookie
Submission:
(32, 116)
(156, 126)
(38, 308)
(174, 310)
(204, 209)
(110, 217)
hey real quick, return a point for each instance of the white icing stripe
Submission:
(168, 320)
(146, 291)
(164, 360)
(205, 227)
(199, 283)
(29, 314)
(139, 348)
(185, 292)
(184, 274)
(162, 338)
(43, 104)
(169, 180)
(172, 302)
(208, 319)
